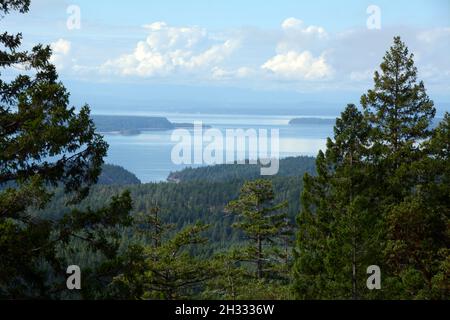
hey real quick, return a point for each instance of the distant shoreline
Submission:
(312, 121)
(135, 125)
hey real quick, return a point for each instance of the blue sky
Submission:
(152, 52)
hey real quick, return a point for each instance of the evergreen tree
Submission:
(261, 222)
(336, 240)
(231, 280)
(399, 112)
(164, 267)
(380, 196)
(44, 143)
(418, 232)
(310, 277)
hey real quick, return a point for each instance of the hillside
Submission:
(289, 167)
(200, 196)
(116, 175)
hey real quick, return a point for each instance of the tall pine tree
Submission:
(44, 143)
(262, 222)
(380, 196)
(336, 241)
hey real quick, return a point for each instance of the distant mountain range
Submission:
(315, 121)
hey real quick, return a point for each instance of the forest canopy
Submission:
(376, 198)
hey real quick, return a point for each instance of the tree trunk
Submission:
(354, 279)
(259, 262)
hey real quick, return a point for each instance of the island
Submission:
(134, 125)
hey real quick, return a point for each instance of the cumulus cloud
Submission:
(294, 60)
(60, 53)
(295, 51)
(170, 49)
(299, 66)
(297, 26)
(298, 36)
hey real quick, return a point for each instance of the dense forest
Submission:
(377, 198)
(199, 194)
(116, 175)
(289, 167)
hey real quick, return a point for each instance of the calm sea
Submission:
(148, 155)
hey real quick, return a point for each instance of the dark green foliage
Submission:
(378, 195)
(44, 143)
(259, 267)
(338, 232)
(263, 223)
(116, 175)
(381, 196)
(400, 114)
(398, 108)
(289, 167)
(185, 203)
(163, 267)
(418, 233)
(17, 5)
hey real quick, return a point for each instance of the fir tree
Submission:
(336, 241)
(262, 223)
(44, 143)
(399, 112)
(164, 267)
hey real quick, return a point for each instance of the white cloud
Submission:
(60, 52)
(61, 46)
(162, 36)
(433, 35)
(215, 54)
(297, 26)
(170, 49)
(295, 51)
(299, 66)
(291, 23)
(294, 59)
(296, 36)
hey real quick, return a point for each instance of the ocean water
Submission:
(149, 154)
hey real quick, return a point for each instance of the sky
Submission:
(217, 54)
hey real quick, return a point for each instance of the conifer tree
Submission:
(44, 143)
(262, 223)
(385, 201)
(163, 268)
(231, 279)
(399, 112)
(336, 241)
(418, 232)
